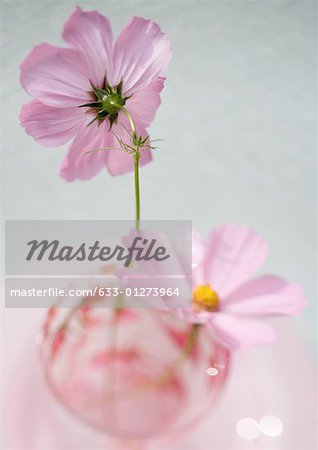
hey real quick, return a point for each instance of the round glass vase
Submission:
(135, 374)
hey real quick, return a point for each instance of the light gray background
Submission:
(238, 119)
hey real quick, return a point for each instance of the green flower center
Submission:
(107, 102)
(112, 103)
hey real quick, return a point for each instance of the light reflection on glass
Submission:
(247, 428)
(271, 426)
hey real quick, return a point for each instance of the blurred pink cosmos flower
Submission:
(221, 291)
(226, 299)
(94, 71)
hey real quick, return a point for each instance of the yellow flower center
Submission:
(205, 298)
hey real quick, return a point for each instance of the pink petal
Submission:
(237, 333)
(118, 162)
(191, 316)
(76, 164)
(141, 53)
(50, 126)
(144, 104)
(90, 33)
(55, 76)
(197, 256)
(233, 254)
(266, 295)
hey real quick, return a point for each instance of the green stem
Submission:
(130, 119)
(137, 190)
(136, 164)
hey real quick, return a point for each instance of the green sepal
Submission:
(99, 93)
(119, 88)
(112, 119)
(94, 105)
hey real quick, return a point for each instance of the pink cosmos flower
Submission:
(226, 299)
(94, 71)
(221, 291)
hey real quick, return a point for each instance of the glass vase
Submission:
(135, 374)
